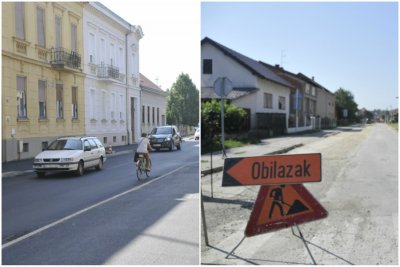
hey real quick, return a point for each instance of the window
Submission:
(58, 31)
(92, 103)
(74, 102)
(74, 37)
(25, 147)
(92, 143)
(112, 53)
(105, 140)
(207, 66)
(112, 106)
(42, 99)
(102, 50)
(21, 97)
(143, 115)
(267, 100)
(120, 58)
(282, 104)
(103, 106)
(20, 20)
(307, 89)
(313, 91)
(59, 101)
(148, 114)
(154, 114)
(121, 107)
(158, 116)
(114, 139)
(92, 49)
(41, 41)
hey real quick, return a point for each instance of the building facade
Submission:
(111, 65)
(42, 79)
(255, 87)
(154, 105)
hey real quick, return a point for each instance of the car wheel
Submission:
(171, 147)
(178, 146)
(100, 165)
(40, 174)
(80, 169)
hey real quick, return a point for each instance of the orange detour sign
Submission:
(269, 170)
(282, 206)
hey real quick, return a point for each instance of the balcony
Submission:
(62, 59)
(107, 72)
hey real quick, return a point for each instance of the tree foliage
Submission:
(234, 118)
(345, 100)
(183, 102)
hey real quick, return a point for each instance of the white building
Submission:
(111, 65)
(154, 105)
(255, 87)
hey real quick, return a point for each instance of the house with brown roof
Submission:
(311, 105)
(153, 105)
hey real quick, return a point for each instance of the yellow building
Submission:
(42, 79)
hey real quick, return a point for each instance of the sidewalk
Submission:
(271, 146)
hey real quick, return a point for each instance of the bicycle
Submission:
(141, 167)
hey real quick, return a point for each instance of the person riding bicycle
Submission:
(144, 147)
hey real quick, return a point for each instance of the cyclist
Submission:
(144, 147)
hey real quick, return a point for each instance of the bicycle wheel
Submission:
(140, 170)
(148, 172)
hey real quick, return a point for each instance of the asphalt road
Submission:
(113, 217)
(359, 189)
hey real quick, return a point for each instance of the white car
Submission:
(70, 154)
(197, 134)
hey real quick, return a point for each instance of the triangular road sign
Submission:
(282, 206)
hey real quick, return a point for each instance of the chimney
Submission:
(312, 78)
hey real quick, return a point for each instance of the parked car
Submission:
(197, 134)
(70, 154)
(165, 137)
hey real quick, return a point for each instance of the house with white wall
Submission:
(154, 105)
(255, 87)
(112, 86)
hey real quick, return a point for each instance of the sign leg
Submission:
(203, 218)
(305, 244)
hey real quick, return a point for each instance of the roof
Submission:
(304, 77)
(281, 72)
(237, 92)
(255, 67)
(149, 86)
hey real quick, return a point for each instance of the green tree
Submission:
(345, 100)
(183, 102)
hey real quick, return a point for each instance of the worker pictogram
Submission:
(281, 206)
(272, 170)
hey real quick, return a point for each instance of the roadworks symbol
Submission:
(282, 206)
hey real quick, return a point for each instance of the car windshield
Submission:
(164, 130)
(66, 144)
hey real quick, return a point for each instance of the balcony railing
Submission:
(60, 58)
(107, 72)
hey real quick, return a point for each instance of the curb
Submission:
(280, 151)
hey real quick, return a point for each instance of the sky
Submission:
(171, 42)
(350, 45)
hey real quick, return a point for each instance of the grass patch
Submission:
(394, 126)
(305, 132)
(204, 161)
(229, 143)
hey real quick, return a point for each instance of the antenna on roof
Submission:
(283, 55)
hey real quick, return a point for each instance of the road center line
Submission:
(91, 207)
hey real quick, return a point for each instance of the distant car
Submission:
(197, 134)
(165, 137)
(70, 154)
